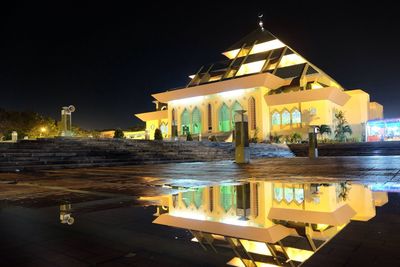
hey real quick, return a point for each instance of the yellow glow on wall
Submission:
(238, 263)
(290, 60)
(250, 68)
(316, 85)
(188, 100)
(215, 78)
(233, 93)
(188, 215)
(267, 46)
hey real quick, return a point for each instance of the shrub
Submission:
(254, 138)
(158, 135)
(295, 138)
(189, 137)
(276, 138)
(118, 133)
(212, 138)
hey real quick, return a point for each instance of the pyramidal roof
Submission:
(258, 35)
(259, 52)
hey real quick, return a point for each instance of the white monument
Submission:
(66, 121)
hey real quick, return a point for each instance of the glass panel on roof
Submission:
(267, 46)
(290, 60)
(250, 68)
(291, 71)
(257, 57)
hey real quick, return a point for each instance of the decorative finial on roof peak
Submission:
(261, 23)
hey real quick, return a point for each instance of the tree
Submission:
(342, 128)
(158, 135)
(324, 129)
(118, 133)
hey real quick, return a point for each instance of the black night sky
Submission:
(107, 58)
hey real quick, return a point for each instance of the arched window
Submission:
(227, 197)
(296, 116)
(198, 197)
(173, 115)
(252, 113)
(223, 117)
(236, 106)
(285, 117)
(196, 121)
(276, 118)
(209, 116)
(185, 121)
(164, 128)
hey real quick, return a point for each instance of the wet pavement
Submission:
(112, 228)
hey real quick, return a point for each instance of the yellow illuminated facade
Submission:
(265, 218)
(282, 92)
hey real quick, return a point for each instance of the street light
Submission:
(42, 130)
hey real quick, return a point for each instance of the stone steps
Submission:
(81, 152)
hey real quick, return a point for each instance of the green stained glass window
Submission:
(196, 121)
(299, 195)
(187, 198)
(185, 121)
(278, 194)
(296, 116)
(227, 197)
(223, 118)
(289, 194)
(285, 117)
(276, 118)
(198, 197)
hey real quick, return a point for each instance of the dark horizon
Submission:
(108, 59)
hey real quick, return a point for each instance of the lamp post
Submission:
(42, 131)
(312, 142)
(242, 152)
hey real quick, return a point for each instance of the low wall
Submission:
(350, 149)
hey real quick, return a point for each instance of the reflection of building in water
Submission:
(268, 222)
(65, 214)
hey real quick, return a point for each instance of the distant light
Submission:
(43, 129)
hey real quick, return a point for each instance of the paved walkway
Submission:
(40, 188)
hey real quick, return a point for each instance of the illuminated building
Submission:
(282, 92)
(383, 130)
(276, 223)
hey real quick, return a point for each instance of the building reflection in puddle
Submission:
(268, 223)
